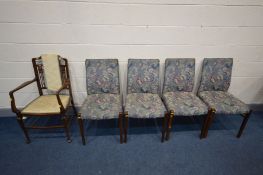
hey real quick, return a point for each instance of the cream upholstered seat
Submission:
(47, 104)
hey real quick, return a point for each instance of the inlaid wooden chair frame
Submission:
(41, 85)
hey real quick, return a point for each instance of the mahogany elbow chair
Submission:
(52, 78)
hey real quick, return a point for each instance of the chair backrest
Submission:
(102, 76)
(179, 75)
(143, 76)
(51, 71)
(216, 74)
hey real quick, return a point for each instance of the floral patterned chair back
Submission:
(179, 75)
(143, 76)
(216, 74)
(102, 76)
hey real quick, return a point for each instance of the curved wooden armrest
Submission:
(64, 86)
(11, 94)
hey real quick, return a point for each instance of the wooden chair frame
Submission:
(40, 80)
(210, 117)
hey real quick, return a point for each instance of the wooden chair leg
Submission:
(126, 126)
(22, 125)
(203, 130)
(73, 106)
(209, 121)
(66, 127)
(81, 129)
(120, 126)
(170, 122)
(164, 126)
(243, 125)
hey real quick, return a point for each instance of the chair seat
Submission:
(101, 106)
(223, 102)
(144, 105)
(46, 104)
(184, 103)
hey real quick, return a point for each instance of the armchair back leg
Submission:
(243, 125)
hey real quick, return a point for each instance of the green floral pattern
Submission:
(101, 106)
(216, 74)
(143, 76)
(184, 104)
(144, 105)
(102, 76)
(223, 102)
(179, 75)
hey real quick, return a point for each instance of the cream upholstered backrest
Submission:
(52, 71)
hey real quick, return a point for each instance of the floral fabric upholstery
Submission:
(102, 76)
(143, 76)
(179, 75)
(46, 104)
(184, 103)
(223, 102)
(101, 106)
(216, 74)
(144, 105)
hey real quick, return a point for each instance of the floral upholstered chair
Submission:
(103, 93)
(143, 100)
(52, 78)
(215, 81)
(177, 90)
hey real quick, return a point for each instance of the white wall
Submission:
(79, 29)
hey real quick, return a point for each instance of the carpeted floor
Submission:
(220, 154)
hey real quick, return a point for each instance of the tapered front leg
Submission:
(126, 126)
(170, 122)
(120, 126)
(81, 129)
(243, 125)
(164, 129)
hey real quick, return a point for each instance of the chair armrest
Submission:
(64, 86)
(11, 94)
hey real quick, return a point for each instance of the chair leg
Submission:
(80, 120)
(206, 119)
(73, 106)
(22, 125)
(164, 126)
(66, 127)
(170, 122)
(120, 126)
(126, 126)
(243, 125)
(210, 118)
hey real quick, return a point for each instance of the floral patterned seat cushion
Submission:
(216, 74)
(144, 105)
(179, 75)
(184, 103)
(143, 76)
(101, 106)
(102, 76)
(223, 102)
